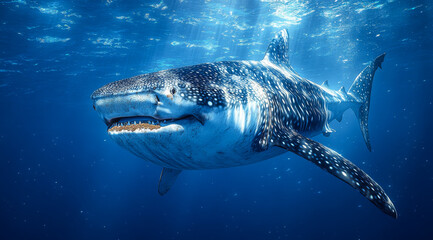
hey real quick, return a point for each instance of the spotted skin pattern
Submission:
(360, 90)
(291, 108)
(290, 100)
(335, 164)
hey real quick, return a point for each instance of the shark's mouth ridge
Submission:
(145, 123)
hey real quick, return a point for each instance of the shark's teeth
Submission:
(150, 123)
(138, 124)
(128, 123)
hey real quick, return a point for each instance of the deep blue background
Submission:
(61, 177)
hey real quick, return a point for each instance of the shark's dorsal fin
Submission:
(167, 179)
(278, 50)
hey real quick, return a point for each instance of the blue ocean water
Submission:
(62, 177)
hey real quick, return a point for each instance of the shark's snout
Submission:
(128, 105)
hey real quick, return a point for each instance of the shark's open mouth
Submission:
(145, 123)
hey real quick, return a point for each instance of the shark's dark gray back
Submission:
(286, 99)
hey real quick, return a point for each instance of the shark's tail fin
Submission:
(361, 90)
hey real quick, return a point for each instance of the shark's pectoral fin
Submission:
(336, 165)
(167, 179)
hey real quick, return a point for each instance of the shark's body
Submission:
(227, 114)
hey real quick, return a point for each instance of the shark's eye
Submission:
(173, 91)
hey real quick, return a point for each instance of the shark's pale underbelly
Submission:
(222, 142)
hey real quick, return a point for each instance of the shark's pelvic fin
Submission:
(335, 164)
(327, 130)
(361, 91)
(167, 179)
(278, 50)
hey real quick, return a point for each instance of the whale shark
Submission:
(233, 113)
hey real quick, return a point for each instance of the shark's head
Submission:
(155, 102)
(171, 117)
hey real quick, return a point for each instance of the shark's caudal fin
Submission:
(361, 90)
